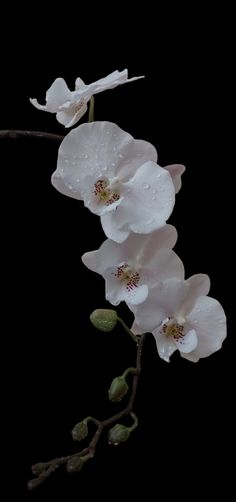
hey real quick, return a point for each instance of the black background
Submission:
(57, 365)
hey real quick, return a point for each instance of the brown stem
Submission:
(16, 134)
(52, 465)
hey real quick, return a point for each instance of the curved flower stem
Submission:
(91, 110)
(17, 134)
(43, 470)
(126, 328)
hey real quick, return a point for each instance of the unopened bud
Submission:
(33, 483)
(104, 319)
(74, 464)
(118, 434)
(80, 431)
(37, 469)
(118, 389)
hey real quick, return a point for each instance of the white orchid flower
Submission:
(131, 268)
(181, 316)
(117, 178)
(70, 106)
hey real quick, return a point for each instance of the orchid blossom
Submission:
(133, 267)
(117, 178)
(70, 106)
(181, 316)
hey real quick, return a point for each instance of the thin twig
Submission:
(52, 465)
(17, 134)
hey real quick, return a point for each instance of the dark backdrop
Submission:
(60, 366)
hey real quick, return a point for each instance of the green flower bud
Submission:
(118, 434)
(37, 469)
(118, 389)
(33, 483)
(104, 319)
(80, 431)
(75, 464)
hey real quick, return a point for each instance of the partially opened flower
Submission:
(70, 106)
(133, 267)
(117, 177)
(181, 316)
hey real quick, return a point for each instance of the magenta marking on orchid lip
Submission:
(104, 193)
(173, 329)
(125, 274)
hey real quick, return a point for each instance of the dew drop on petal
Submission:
(120, 156)
(146, 186)
(148, 222)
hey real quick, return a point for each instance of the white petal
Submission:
(139, 152)
(79, 83)
(149, 315)
(176, 171)
(113, 80)
(56, 95)
(209, 321)
(188, 343)
(148, 200)
(165, 346)
(162, 265)
(35, 103)
(164, 301)
(108, 255)
(110, 229)
(199, 285)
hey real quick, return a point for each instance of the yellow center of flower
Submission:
(172, 329)
(104, 193)
(126, 275)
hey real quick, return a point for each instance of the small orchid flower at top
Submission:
(117, 178)
(136, 265)
(70, 106)
(181, 316)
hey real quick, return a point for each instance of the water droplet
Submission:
(146, 186)
(66, 161)
(69, 186)
(120, 156)
(77, 180)
(148, 222)
(198, 310)
(108, 132)
(85, 156)
(113, 164)
(104, 168)
(154, 197)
